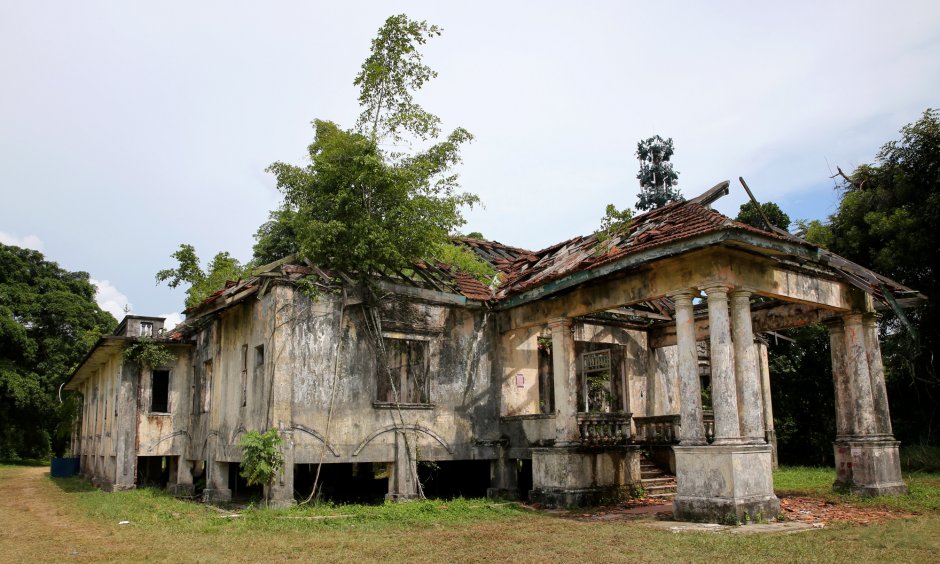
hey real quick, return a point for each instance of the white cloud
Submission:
(110, 299)
(171, 320)
(26, 242)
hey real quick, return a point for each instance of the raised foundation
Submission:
(868, 467)
(575, 476)
(724, 484)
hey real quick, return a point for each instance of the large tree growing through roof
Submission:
(358, 207)
(48, 320)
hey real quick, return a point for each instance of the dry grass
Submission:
(45, 520)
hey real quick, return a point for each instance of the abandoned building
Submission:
(546, 385)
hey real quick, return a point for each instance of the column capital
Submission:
(740, 293)
(834, 324)
(716, 288)
(683, 295)
(871, 318)
(560, 322)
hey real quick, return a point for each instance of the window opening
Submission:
(160, 391)
(405, 372)
(146, 329)
(205, 385)
(244, 375)
(597, 391)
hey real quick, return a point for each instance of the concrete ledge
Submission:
(728, 511)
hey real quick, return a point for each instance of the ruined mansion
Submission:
(547, 384)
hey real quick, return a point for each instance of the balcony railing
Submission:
(604, 429)
(657, 429)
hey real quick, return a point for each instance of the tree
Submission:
(750, 215)
(887, 219)
(358, 208)
(202, 283)
(657, 177)
(48, 321)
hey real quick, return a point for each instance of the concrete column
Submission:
(504, 477)
(282, 491)
(565, 375)
(844, 394)
(877, 370)
(692, 431)
(403, 480)
(856, 362)
(125, 439)
(769, 433)
(184, 478)
(724, 386)
(747, 370)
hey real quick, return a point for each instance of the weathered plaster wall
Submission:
(166, 433)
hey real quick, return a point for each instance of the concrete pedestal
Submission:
(724, 484)
(868, 467)
(216, 495)
(574, 476)
(181, 490)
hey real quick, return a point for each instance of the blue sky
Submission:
(127, 128)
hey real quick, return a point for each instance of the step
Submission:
(664, 481)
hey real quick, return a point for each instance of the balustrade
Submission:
(604, 429)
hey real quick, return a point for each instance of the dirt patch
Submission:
(818, 511)
(32, 515)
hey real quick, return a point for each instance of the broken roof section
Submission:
(673, 229)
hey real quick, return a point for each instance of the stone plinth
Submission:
(574, 476)
(181, 490)
(868, 467)
(724, 484)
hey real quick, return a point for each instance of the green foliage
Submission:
(148, 352)
(389, 76)
(261, 457)
(748, 214)
(48, 321)
(814, 231)
(614, 222)
(803, 400)
(275, 239)
(202, 283)
(887, 219)
(657, 177)
(355, 207)
(463, 259)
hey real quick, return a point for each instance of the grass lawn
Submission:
(65, 519)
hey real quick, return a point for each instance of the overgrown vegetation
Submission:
(202, 283)
(261, 457)
(148, 352)
(48, 321)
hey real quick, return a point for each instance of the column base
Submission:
(216, 495)
(281, 503)
(725, 484)
(401, 496)
(111, 487)
(181, 490)
(868, 466)
(508, 494)
(579, 476)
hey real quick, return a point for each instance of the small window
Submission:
(146, 329)
(160, 391)
(205, 387)
(403, 377)
(259, 357)
(244, 375)
(597, 393)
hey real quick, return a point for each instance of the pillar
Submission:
(877, 371)
(403, 479)
(746, 370)
(866, 455)
(184, 478)
(770, 434)
(125, 429)
(504, 477)
(565, 379)
(856, 362)
(692, 431)
(724, 385)
(282, 490)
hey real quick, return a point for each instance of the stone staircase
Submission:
(656, 483)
